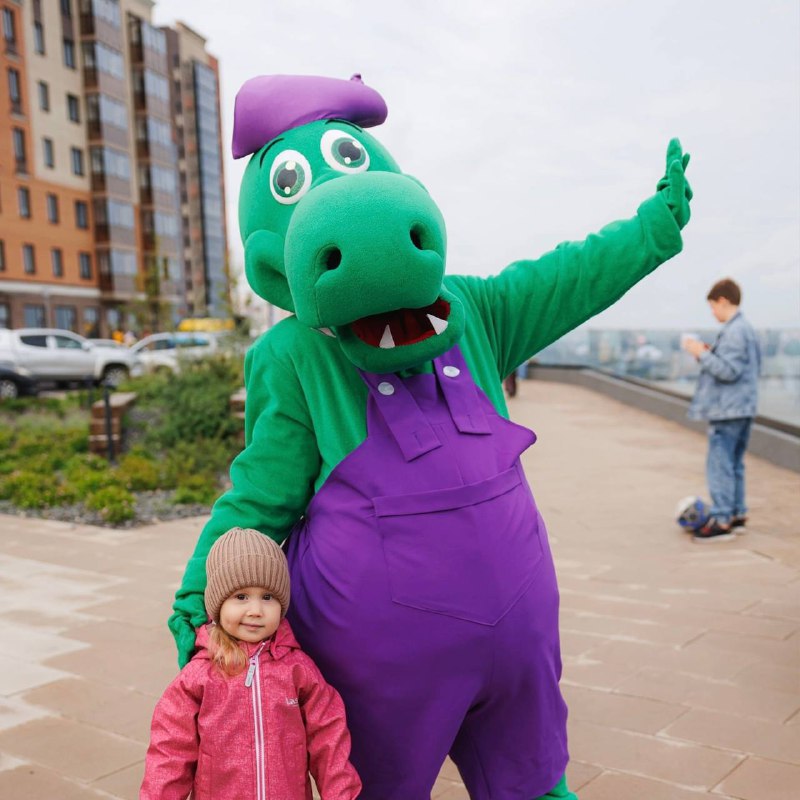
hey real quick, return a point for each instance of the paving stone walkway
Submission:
(681, 660)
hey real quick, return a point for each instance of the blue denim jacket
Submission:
(728, 384)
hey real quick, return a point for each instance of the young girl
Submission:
(250, 714)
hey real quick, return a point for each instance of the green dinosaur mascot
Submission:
(376, 434)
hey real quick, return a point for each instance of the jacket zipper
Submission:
(253, 682)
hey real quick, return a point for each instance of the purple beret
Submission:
(268, 105)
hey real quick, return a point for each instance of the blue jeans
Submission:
(727, 442)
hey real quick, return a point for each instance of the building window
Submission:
(5, 316)
(44, 96)
(33, 317)
(97, 55)
(2, 256)
(73, 108)
(76, 154)
(109, 161)
(114, 212)
(49, 155)
(85, 265)
(57, 259)
(91, 322)
(81, 215)
(38, 38)
(69, 53)
(66, 318)
(24, 200)
(102, 108)
(107, 10)
(66, 8)
(9, 31)
(113, 319)
(29, 259)
(18, 135)
(117, 262)
(52, 208)
(14, 91)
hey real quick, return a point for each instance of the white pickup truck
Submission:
(55, 356)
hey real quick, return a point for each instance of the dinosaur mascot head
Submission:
(333, 230)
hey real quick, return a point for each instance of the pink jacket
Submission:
(251, 737)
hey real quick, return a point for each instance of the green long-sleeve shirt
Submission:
(306, 403)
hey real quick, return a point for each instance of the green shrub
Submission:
(180, 432)
(44, 463)
(192, 405)
(93, 482)
(207, 458)
(6, 438)
(28, 489)
(139, 473)
(196, 489)
(86, 474)
(150, 387)
(114, 503)
(31, 444)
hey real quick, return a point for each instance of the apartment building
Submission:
(111, 182)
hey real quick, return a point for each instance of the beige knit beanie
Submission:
(244, 557)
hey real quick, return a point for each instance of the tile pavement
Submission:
(681, 661)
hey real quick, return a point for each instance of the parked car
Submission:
(165, 351)
(108, 343)
(56, 356)
(15, 384)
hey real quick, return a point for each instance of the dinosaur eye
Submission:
(289, 177)
(342, 152)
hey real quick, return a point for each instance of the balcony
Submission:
(90, 79)
(137, 53)
(88, 27)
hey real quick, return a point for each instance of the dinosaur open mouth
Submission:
(404, 326)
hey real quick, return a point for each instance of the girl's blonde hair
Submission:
(226, 652)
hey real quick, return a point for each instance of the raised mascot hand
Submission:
(674, 186)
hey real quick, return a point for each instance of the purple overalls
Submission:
(424, 588)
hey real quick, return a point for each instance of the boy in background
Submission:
(726, 396)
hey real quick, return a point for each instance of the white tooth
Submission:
(439, 325)
(386, 339)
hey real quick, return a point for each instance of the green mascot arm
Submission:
(530, 304)
(272, 481)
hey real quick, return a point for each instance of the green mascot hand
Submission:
(674, 186)
(188, 609)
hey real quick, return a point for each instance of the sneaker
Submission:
(739, 524)
(713, 531)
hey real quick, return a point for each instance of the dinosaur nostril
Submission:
(416, 238)
(333, 258)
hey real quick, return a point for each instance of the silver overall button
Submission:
(386, 388)
(451, 372)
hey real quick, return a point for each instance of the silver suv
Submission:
(52, 355)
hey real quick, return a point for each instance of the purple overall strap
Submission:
(403, 416)
(460, 392)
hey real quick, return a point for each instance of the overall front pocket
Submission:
(468, 552)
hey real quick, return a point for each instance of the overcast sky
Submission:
(536, 121)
